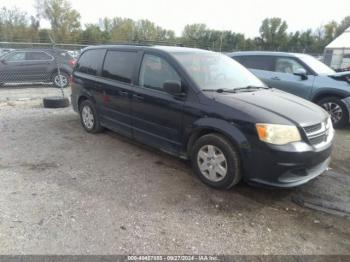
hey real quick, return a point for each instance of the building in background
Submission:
(337, 53)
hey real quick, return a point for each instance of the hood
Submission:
(342, 76)
(274, 106)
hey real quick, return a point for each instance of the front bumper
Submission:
(278, 167)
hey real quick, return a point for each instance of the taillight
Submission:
(72, 62)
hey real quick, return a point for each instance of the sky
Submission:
(241, 16)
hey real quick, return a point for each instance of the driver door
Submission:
(157, 115)
(284, 78)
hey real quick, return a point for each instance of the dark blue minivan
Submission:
(205, 107)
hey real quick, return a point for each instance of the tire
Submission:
(56, 102)
(220, 146)
(89, 117)
(337, 109)
(56, 80)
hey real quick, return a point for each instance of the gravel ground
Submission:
(65, 191)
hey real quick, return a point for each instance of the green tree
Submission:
(343, 25)
(273, 34)
(64, 20)
(15, 25)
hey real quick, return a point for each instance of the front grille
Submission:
(318, 139)
(313, 128)
(316, 134)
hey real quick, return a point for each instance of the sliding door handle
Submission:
(123, 93)
(137, 97)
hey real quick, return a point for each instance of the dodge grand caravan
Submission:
(203, 106)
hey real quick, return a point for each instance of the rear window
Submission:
(119, 65)
(90, 61)
(257, 62)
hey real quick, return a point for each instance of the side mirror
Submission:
(3, 61)
(173, 88)
(301, 72)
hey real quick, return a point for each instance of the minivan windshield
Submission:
(317, 66)
(214, 71)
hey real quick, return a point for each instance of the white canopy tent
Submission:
(337, 53)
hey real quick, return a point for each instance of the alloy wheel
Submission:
(334, 110)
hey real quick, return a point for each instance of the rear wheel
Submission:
(337, 110)
(61, 79)
(89, 117)
(216, 161)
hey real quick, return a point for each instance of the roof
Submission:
(268, 53)
(168, 49)
(342, 41)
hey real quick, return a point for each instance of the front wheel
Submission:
(337, 110)
(216, 161)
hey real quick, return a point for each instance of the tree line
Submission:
(16, 25)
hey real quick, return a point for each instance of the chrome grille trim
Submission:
(317, 134)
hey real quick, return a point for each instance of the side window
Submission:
(287, 65)
(257, 62)
(119, 65)
(90, 61)
(155, 71)
(16, 56)
(38, 56)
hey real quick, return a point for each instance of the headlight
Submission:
(278, 134)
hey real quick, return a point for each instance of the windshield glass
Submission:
(215, 71)
(319, 67)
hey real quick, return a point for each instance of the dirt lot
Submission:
(64, 191)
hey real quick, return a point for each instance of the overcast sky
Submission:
(242, 16)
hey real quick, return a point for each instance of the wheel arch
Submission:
(53, 72)
(329, 93)
(84, 97)
(211, 125)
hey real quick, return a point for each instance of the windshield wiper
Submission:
(251, 88)
(220, 90)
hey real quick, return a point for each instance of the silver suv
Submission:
(304, 76)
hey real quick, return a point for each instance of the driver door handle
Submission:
(275, 78)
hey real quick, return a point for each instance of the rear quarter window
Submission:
(91, 61)
(119, 65)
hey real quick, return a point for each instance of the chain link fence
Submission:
(51, 64)
(39, 64)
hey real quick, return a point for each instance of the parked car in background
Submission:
(74, 53)
(4, 51)
(36, 65)
(203, 106)
(304, 76)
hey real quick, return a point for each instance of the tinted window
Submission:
(38, 56)
(155, 71)
(90, 61)
(119, 65)
(287, 65)
(257, 62)
(16, 56)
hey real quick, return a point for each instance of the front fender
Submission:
(321, 92)
(229, 130)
